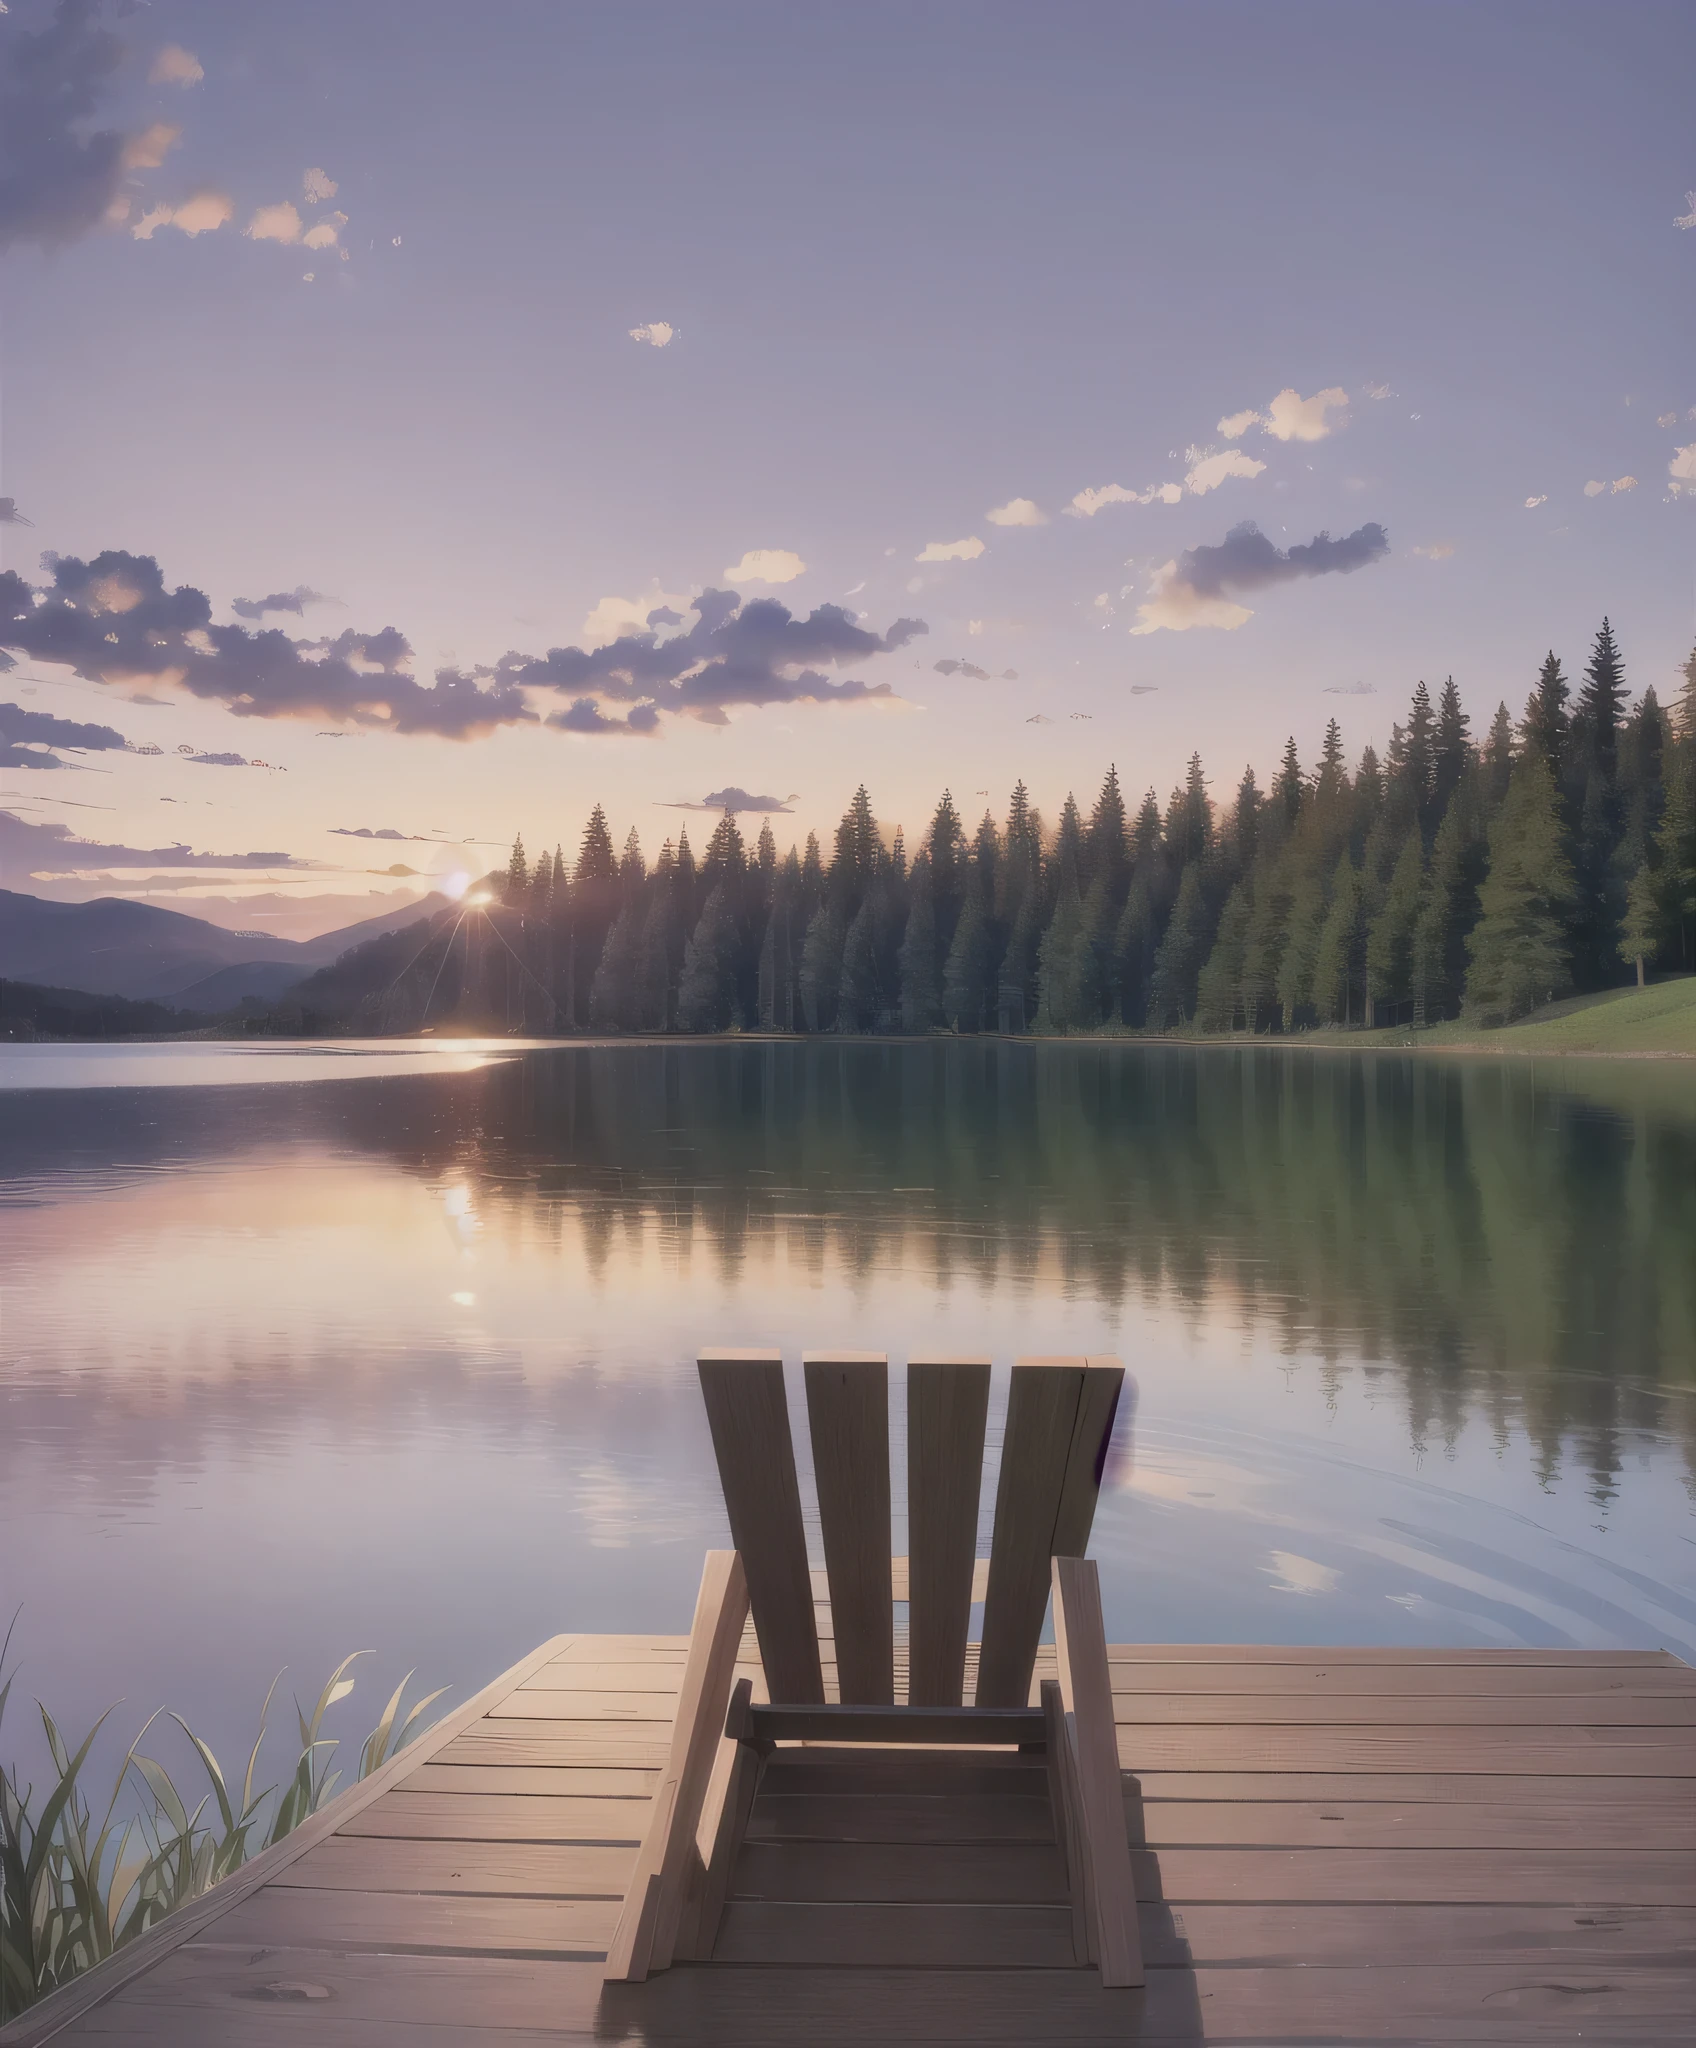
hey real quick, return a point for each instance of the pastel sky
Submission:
(498, 331)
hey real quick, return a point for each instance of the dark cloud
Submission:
(663, 615)
(10, 515)
(113, 620)
(58, 174)
(384, 832)
(735, 653)
(295, 601)
(1246, 560)
(222, 760)
(21, 729)
(734, 799)
(973, 673)
(26, 848)
(583, 714)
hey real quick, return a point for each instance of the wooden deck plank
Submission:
(902, 1817)
(206, 1997)
(1670, 1711)
(996, 1873)
(534, 1870)
(500, 1817)
(1337, 1748)
(557, 1780)
(1582, 1795)
(1136, 1676)
(1385, 1824)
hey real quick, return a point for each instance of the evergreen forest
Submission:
(1464, 874)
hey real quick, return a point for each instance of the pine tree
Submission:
(1448, 907)
(517, 873)
(614, 998)
(1419, 771)
(632, 868)
(1263, 945)
(1518, 948)
(1339, 961)
(858, 997)
(1596, 716)
(780, 1007)
(596, 861)
(1289, 787)
(921, 981)
(855, 860)
(1107, 848)
(661, 947)
(765, 860)
(1245, 821)
(1060, 961)
(945, 848)
(1296, 962)
(1177, 965)
(1189, 823)
(1451, 749)
(1136, 941)
(686, 883)
(706, 994)
(1498, 754)
(968, 979)
(1546, 725)
(1219, 986)
(1390, 936)
(726, 857)
(1660, 922)
(1368, 804)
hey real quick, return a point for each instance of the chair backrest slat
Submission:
(748, 1413)
(1059, 1418)
(947, 1404)
(848, 1416)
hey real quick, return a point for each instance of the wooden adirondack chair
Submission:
(1059, 1418)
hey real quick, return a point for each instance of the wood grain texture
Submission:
(903, 1817)
(936, 1873)
(947, 1410)
(863, 1937)
(1336, 1748)
(848, 1419)
(748, 1414)
(947, 1725)
(668, 1848)
(417, 1923)
(1346, 1822)
(1092, 1432)
(738, 1803)
(537, 1870)
(1042, 1415)
(1064, 1818)
(406, 1815)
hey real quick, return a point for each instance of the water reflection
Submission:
(406, 1360)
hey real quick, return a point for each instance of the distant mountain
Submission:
(114, 947)
(29, 1013)
(226, 987)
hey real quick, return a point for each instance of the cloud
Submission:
(972, 673)
(318, 186)
(966, 550)
(388, 832)
(657, 333)
(1018, 512)
(202, 213)
(766, 565)
(279, 223)
(737, 652)
(1531, 504)
(1352, 689)
(1436, 551)
(1681, 470)
(60, 175)
(295, 601)
(26, 848)
(735, 799)
(10, 515)
(1290, 417)
(175, 66)
(584, 715)
(1235, 424)
(26, 737)
(1593, 489)
(1207, 472)
(1687, 220)
(614, 617)
(324, 234)
(147, 150)
(1379, 391)
(113, 620)
(1196, 589)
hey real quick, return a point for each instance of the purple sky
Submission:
(998, 318)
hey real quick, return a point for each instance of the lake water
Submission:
(389, 1349)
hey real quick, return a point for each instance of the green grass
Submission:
(73, 1889)
(1658, 1020)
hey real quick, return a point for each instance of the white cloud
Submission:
(317, 186)
(1681, 470)
(966, 550)
(1018, 512)
(1290, 417)
(1667, 419)
(198, 215)
(974, 627)
(176, 66)
(1291, 1573)
(1379, 391)
(324, 234)
(657, 333)
(146, 151)
(1088, 503)
(1593, 489)
(1175, 607)
(1438, 551)
(1235, 424)
(1531, 504)
(766, 565)
(1687, 220)
(280, 223)
(614, 617)
(1208, 472)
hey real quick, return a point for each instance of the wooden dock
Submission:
(1332, 1846)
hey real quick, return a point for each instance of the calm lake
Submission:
(391, 1349)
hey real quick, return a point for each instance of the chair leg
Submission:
(1086, 1689)
(1063, 1799)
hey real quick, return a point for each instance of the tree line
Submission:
(1459, 875)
